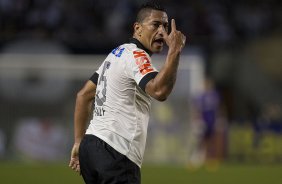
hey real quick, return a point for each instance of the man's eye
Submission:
(156, 25)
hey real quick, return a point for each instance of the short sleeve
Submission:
(141, 68)
(94, 78)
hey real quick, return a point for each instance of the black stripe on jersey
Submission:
(139, 45)
(142, 84)
(94, 78)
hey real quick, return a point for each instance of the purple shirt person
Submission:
(208, 105)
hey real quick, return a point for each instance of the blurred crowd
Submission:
(95, 26)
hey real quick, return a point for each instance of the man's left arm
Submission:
(83, 109)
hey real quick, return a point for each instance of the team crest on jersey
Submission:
(143, 62)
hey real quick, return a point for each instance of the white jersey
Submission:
(122, 107)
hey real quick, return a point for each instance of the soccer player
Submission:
(111, 149)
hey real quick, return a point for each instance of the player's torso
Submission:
(119, 101)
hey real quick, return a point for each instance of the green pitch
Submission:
(14, 173)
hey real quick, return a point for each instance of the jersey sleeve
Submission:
(95, 76)
(141, 68)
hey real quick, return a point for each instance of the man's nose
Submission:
(161, 29)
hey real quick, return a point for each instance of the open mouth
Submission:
(159, 41)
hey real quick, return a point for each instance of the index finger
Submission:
(173, 25)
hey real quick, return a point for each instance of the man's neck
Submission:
(139, 45)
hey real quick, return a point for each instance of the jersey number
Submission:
(101, 94)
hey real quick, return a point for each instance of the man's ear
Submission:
(137, 29)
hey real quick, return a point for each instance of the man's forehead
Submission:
(156, 15)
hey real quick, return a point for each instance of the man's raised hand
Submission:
(175, 40)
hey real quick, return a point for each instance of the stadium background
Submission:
(49, 48)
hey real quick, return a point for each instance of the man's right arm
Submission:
(161, 86)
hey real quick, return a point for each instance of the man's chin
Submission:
(157, 50)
